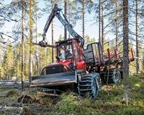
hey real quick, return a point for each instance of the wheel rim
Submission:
(96, 85)
(116, 76)
(98, 82)
(94, 88)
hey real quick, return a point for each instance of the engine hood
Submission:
(65, 62)
(57, 67)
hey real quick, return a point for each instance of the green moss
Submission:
(130, 111)
(68, 104)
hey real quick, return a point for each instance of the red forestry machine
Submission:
(82, 70)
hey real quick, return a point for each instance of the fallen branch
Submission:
(10, 108)
(48, 94)
(28, 99)
(2, 95)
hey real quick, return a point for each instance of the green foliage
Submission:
(130, 80)
(60, 37)
(10, 112)
(130, 111)
(8, 62)
(1, 72)
(89, 40)
(68, 104)
(109, 101)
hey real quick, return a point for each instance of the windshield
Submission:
(65, 51)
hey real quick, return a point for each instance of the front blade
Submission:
(54, 79)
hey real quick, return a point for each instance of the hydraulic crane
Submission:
(62, 18)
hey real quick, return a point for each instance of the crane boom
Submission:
(65, 23)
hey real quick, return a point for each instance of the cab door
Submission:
(78, 56)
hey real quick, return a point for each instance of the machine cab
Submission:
(69, 51)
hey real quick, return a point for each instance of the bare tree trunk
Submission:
(37, 59)
(22, 65)
(69, 10)
(137, 51)
(102, 25)
(116, 24)
(83, 19)
(31, 28)
(125, 38)
(99, 21)
(65, 12)
(52, 33)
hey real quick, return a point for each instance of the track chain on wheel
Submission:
(90, 83)
(113, 76)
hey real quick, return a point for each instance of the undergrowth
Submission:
(125, 98)
(110, 101)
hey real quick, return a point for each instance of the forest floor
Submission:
(125, 98)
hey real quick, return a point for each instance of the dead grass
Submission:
(12, 93)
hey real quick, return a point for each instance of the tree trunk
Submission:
(22, 65)
(125, 38)
(99, 21)
(31, 29)
(137, 51)
(83, 19)
(52, 33)
(116, 24)
(65, 12)
(102, 26)
(37, 59)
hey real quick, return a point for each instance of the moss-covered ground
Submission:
(125, 98)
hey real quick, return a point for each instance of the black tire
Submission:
(90, 83)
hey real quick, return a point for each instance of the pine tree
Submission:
(8, 63)
(85, 4)
(17, 61)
